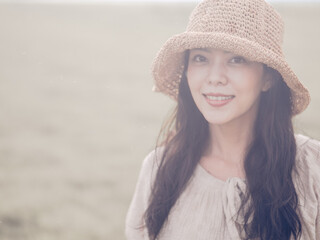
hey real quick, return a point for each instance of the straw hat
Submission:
(250, 28)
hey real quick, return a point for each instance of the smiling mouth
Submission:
(218, 97)
(218, 100)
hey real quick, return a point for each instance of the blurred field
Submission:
(78, 115)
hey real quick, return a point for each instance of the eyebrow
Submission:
(208, 50)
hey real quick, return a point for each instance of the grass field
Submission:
(78, 115)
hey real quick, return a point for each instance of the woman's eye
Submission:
(238, 59)
(199, 58)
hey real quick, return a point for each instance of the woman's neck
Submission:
(229, 142)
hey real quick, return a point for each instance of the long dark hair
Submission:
(268, 165)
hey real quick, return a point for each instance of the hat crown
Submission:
(254, 20)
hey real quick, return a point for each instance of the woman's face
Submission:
(225, 87)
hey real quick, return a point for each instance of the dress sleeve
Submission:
(312, 151)
(135, 226)
(314, 147)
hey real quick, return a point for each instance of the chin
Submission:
(217, 120)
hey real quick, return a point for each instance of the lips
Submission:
(218, 99)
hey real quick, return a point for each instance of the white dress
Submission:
(206, 208)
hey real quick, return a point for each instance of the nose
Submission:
(217, 74)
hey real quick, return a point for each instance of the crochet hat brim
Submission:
(168, 65)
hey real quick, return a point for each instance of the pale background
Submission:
(78, 115)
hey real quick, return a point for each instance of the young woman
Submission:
(230, 166)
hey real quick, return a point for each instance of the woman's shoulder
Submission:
(152, 161)
(308, 158)
(308, 147)
(305, 140)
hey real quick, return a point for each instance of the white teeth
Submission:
(220, 98)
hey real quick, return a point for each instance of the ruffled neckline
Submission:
(206, 176)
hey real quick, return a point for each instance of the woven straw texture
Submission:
(250, 28)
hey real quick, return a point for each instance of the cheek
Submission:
(194, 80)
(196, 76)
(249, 82)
